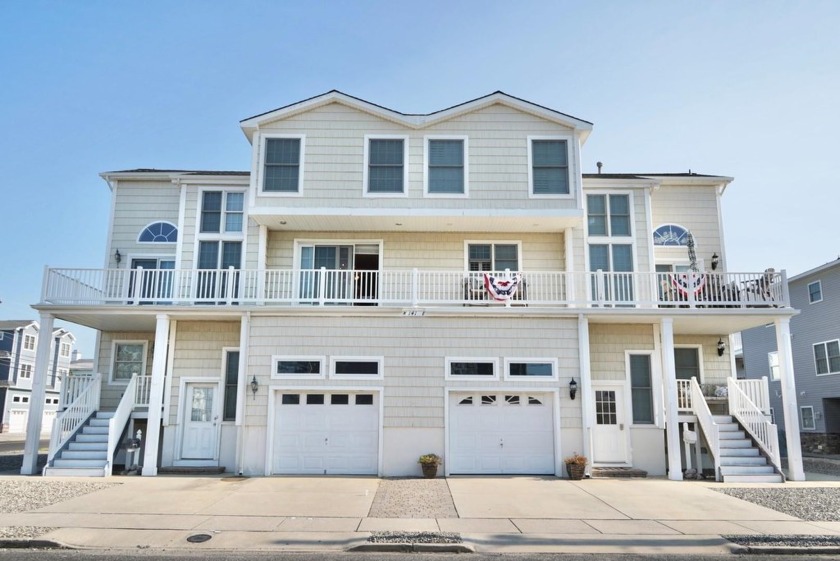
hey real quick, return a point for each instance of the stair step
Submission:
(78, 446)
(746, 470)
(772, 478)
(732, 435)
(739, 452)
(722, 419)
(104, 414)
(97, 422)
(728, 427)
(730, 444)
(92, 438)
(94, 430)
(74, 472)
(84, 455)
(742, 460)
(79, 463)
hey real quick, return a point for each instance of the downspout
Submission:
(18, 348)
(57, 344)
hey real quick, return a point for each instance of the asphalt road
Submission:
(16, 445)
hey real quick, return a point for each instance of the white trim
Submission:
(368, 138)
(654, 402)
(827, 358)
(380, 368)
(273, 389)
(170, 366)
(260, 168)
(550, 361)
(659, 383)
(554, 393)
(771, 365)
(109, 243)
(466, 144)
(182, 408)
(447, 365)
(808, 288)
(182, 219)
(813, 426)
(700, 361)
(143, 229)
(571, 172)
(114, 343)
(322, 362)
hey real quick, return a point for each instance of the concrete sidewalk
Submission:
(495, 514)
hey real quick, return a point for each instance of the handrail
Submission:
(755, 423)
(408, 287)
(143, 391)
(77, 413)
(710, 429)
(120, 418)
(758, 391)
(684, 400)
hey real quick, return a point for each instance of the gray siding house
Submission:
(815, 340)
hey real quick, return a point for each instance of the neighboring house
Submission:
(18, 340)
(815, 342)
(382, 285)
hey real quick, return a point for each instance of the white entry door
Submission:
(610, 432)
(201, 422)
(326, 433)
(501, 433)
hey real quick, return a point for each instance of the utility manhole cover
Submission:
(199, 538)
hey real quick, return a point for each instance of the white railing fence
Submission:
(684, 396)
(116, 424)
(755, 422)
(75, 415)
(710, 429)
(71, 386)
(757, 391)
(142, 391)
(136, 287)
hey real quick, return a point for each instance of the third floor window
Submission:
(282, 165)
(446, 166)
(385, 166)
(222, 212)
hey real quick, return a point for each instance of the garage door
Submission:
(47, 421)
(501, 433)
(17, 420)
(326, 433)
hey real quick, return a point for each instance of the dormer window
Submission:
(548, 166)
(282, 163)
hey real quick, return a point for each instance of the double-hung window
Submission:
(282, 163)
(129, 358)
(385, 165)
(222, 212)
(493, 257)
(29, 342)
(446, 166)
(806, 418)
(815, 292)
(548, 166)
(827, 357)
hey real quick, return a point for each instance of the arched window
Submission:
(159, 232)
(670, 235)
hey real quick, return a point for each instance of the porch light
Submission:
(254, 386)
(721, 347)
(117, 256)
(715, 261)
(572, 389)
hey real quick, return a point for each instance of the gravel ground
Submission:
(413, 498)
(415, 537)
(825, 466)
(813, 503)
(12, 462)
(786, 541)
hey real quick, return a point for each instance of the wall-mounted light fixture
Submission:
(715, 261)
(117, 256)
(721, 347)
(572, 389)
(255, 386)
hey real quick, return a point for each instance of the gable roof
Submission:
(8, 325)
(414, 120)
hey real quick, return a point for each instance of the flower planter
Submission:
(429, 470)
(575, 471)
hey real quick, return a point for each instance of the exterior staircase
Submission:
(740, 459)
(86, 453)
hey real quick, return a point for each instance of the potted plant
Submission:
(429, 464)
(575, 466)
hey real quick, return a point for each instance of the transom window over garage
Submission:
(472, 368)
(349, 368)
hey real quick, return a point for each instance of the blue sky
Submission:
(747, 89)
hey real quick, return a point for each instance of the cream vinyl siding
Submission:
(716, 369)
(198, 354)
(695, 209)
(607, 346)
(431, 251)
(414, 351)
(139, 203)
(498, 159)
(112, 393)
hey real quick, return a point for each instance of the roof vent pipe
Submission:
(599, 164)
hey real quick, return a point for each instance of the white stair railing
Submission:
(116, 424)
(758, 391)
(143, 391)
(77, 413)
(755, 423)
(707, 423)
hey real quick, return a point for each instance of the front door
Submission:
(611, 429)
(201, 422)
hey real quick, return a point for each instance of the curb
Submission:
(23, 543)
(413, 548)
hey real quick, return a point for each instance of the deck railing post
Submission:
(415, 274)
(322, 283)
(138, 284)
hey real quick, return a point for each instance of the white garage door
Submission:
(17, 420)
(47, 421)
(501, 433)
(326, 433)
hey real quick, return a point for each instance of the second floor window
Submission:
(29, 342)
(815, 292)
(549, 167)
(386, 166)
(827, 357)
(493, 257)
(282, 165)
(446, 172)
(25, 370)
(608, 215)
(222, 212)
(65, 349)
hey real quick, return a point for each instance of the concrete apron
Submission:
(495, 514)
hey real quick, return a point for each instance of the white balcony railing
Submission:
(308, 287)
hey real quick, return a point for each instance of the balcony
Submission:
(410, 288)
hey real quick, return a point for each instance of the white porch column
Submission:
(152, 443)
(789, 404)
(39, 393)
(585, 394)
(669, 376)
(242, 389)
